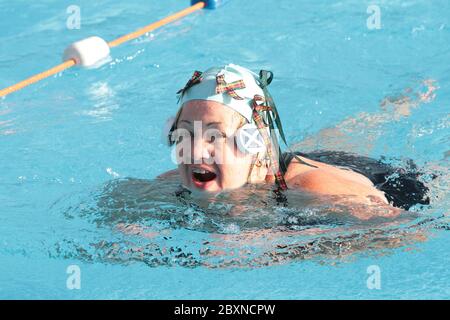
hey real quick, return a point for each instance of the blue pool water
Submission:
(338, 85)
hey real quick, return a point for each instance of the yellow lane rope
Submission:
(133, 35)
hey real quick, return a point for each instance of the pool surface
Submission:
(80, 151)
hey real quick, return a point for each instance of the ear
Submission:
(258, 173)
(249, 139)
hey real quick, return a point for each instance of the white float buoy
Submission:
(87, 52)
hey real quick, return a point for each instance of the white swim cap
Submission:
(237, 92)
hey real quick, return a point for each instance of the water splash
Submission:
(159, 223)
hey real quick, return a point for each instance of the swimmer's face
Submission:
(208, 157)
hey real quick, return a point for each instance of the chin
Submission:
(210, 187)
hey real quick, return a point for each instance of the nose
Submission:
(201, 150)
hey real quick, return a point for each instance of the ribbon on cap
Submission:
(223, 86)
(195, 79)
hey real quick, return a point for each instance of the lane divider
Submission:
(92, 50)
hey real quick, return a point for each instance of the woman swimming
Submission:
(217, 147)
(225, 135)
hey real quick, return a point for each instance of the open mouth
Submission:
(202, 175)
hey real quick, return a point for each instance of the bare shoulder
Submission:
(330, 180)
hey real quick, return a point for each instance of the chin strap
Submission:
(273, 119)
(258, 116)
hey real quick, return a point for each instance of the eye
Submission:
(178, 136)
(217, 136)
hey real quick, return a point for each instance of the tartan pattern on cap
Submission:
(258, 108)
(223, 86)
(195, 79)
